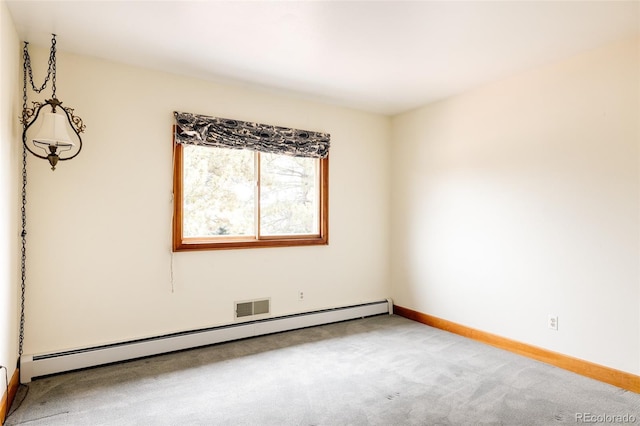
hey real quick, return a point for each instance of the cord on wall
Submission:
(170, 250)
(171, 272)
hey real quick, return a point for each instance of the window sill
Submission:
(193, 244)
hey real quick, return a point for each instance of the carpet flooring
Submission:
(383, 370)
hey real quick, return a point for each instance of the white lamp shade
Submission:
(53, 131)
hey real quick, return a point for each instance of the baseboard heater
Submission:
(32, 366)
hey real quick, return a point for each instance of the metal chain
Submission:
(52, 65)
(51, 71)
(23, 234)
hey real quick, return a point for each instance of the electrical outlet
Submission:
(300, 295)
(552, 322)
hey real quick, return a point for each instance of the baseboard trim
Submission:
(604, 374)
(44, 364)
(8, 395)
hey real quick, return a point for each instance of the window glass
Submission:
(219, 192)
(235, 198)
(288, 195)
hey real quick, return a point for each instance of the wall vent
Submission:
(252, 307)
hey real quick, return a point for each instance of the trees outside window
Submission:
(236, 198)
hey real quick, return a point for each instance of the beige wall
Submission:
(521, 199)
(9, 187)
(100, 262)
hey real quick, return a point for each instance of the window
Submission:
(240, 198)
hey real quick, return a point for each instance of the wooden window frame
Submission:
(181, 243)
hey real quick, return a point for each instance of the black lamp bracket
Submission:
(30, 116)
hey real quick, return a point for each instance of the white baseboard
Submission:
(45, 364)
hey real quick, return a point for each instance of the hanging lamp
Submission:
(52, 120)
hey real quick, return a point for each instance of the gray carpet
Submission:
(382, 370)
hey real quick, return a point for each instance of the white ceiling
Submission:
(379, 56)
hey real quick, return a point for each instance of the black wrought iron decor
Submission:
(52, 137)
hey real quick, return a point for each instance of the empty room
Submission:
(319, 212)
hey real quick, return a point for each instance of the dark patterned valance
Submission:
(194, 129)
